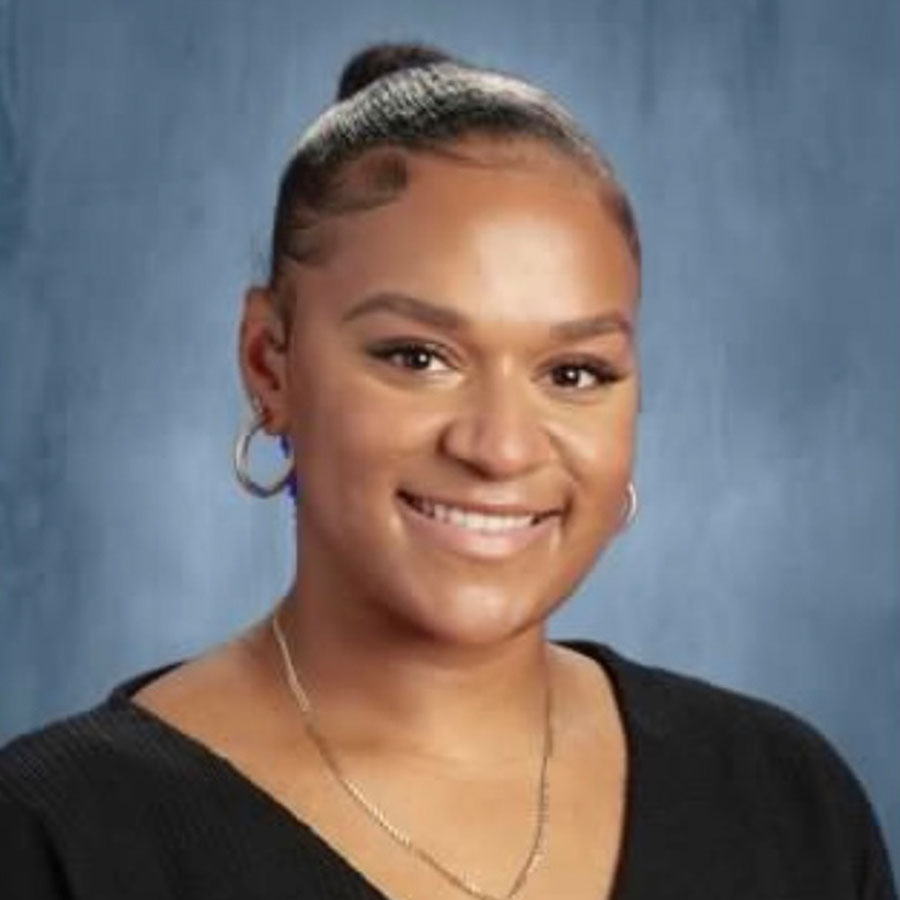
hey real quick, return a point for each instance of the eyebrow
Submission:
(450, 319)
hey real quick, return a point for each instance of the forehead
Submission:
(503, 230)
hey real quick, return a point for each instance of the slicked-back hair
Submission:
(396, 99)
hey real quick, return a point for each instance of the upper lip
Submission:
(489, 508)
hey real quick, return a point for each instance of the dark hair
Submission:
(414, 98)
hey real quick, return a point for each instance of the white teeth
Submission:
(473, 520)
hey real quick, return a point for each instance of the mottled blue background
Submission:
(140, 144)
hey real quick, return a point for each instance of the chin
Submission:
(474, 615)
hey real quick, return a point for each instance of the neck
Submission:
(377, 687)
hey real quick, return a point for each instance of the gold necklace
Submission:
(353, 790)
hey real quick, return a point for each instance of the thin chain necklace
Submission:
(355, 792)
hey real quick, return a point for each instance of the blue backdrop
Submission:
(140, 144)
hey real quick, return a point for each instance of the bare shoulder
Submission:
(219, 698)
(586, 701)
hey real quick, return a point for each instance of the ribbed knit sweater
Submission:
(728, 798)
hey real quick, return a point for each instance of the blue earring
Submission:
(292, 480)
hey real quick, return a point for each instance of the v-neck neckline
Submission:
(121, 697)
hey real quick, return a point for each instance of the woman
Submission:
(446, 347)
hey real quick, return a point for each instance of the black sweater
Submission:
(728, 799)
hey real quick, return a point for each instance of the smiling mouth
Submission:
(474, 520)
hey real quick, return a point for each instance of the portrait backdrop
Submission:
(140, 144)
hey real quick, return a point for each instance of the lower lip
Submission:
(478, 544)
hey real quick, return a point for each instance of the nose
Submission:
(497, 431)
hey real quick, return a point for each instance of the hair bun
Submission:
(378, 60)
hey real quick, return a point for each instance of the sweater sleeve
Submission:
(878, 881)
(29, 866)
(855, 827)
(876, 877)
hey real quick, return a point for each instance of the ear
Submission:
(263, 358)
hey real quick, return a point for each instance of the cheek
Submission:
(600, 450)
(352, 438)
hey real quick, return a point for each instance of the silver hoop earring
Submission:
(242, 461)
(631, 506)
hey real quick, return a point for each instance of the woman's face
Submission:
(461, 392)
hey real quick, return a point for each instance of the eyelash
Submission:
(601, 371)
(393, 348)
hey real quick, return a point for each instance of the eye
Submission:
(413, 355)
(583, 375)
